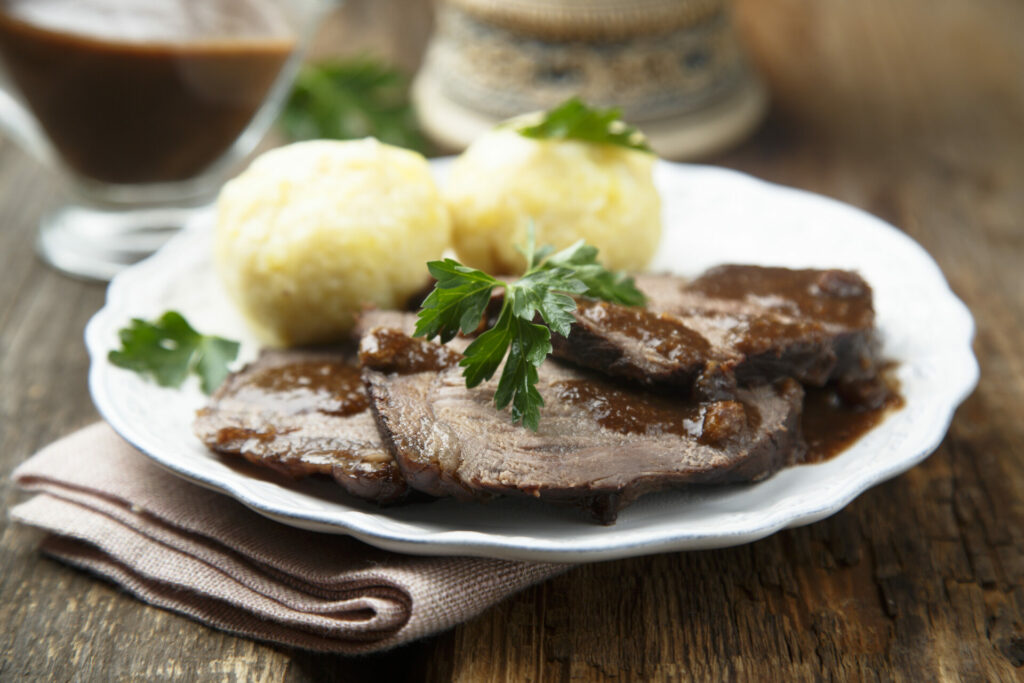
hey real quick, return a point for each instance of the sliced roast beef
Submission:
(733, 326)
(302, 413)
(404, 323)
(599, 445)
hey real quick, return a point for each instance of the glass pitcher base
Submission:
(96, 244)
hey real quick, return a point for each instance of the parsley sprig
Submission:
(169, 349)
(352, 98)
(460, 297)
(575, 120)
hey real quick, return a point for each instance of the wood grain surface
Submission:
(913, 110)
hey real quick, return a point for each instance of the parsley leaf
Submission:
(484, 355)
(575, 120)
(460, 297)
(169, 349)
(352, 98)
(457, 301)
(601, 283)
(518, 382)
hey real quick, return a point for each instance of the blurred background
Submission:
(865, 73)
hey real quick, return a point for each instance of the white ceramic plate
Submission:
(711, 216)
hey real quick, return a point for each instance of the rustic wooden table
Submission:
(913, 110)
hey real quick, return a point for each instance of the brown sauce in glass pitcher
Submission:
(143, 91)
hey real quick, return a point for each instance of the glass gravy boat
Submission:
(141, 107)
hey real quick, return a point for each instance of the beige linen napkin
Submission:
(176, 545)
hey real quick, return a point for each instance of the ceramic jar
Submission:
(674, 67)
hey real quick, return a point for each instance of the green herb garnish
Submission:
(575, 120)
(169, 349)
(461, 295)
(350, 99)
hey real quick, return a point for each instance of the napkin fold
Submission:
(112, 511)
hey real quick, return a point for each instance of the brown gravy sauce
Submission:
(639, 412)
(390, 350)
(756, 334)
(332, 388)
(831, 426)
(143, 91)
(633, 412)
(669, 337)
(831, 295)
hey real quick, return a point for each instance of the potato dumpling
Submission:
(601, 193)
(312, 232)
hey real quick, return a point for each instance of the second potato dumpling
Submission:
(571, 190)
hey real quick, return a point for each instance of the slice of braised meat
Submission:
(404, 323)
(302, 413)
(733, 326)
(600, 445)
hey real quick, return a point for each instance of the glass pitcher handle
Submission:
(18, 124)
